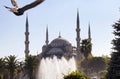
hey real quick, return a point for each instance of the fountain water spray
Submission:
(54, 68)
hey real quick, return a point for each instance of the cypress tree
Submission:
(114, 65)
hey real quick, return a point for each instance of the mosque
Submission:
(59, 46)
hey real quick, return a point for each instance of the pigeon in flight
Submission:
(19, 11)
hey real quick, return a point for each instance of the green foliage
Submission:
(85, 67)
(2, 67)
(97, 64)
(102, 74)
(75, 75)
(30, 66)
(94, 65)
(114, 65)
(11, 65)
(86, 48)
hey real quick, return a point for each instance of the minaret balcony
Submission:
(78, 30)
(77, 39)
(26, 33)
(26, 42)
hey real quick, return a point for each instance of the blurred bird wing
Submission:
(11, 9)
(31, 5)
(14, 3)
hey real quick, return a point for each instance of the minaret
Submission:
(89, 38)
(27, 38)
(78, 34)
(47, 41)
(89, 33)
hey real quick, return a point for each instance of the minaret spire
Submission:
(27, 38)
(89, 32)
(47, 41)
(78, 33)
(78, 22)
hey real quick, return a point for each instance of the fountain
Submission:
(54, 68)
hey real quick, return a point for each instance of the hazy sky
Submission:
(60, 16)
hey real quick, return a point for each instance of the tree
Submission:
(86, 48)
(85, 67)
(75, 75)
(94, 66)
(11, 65)
(30, 65)
(2, 67)
(98, 64)
(114, 65)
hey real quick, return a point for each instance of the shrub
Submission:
(75, 75)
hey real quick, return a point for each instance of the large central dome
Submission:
(58, 42)
(58, 47)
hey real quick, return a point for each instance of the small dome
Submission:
(58, 42)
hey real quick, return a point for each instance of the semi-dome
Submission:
(58, 42)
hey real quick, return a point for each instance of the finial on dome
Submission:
(59, 35)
